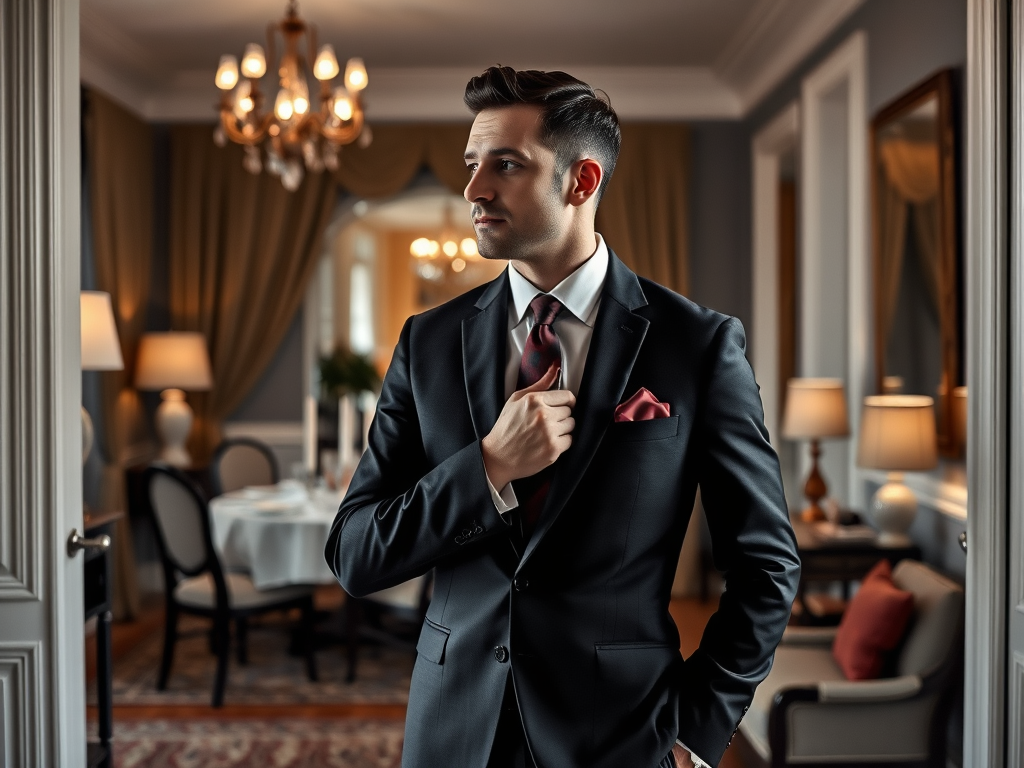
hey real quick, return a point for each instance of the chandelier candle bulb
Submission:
(326, 66)
(227, 72)
(450, 248)
(283, 107)
(469, 247)
(342, 104)
(254, 61)
(355, 75)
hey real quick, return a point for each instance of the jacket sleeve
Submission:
(401, 516)
(752, 543)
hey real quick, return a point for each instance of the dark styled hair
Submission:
(576, 121)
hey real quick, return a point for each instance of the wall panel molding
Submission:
(20, 713)
(839, 80)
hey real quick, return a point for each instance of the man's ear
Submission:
(585, 181)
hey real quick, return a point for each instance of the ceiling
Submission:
(655, 58)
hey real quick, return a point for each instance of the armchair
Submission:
(807, 713)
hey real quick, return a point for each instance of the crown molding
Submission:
(770, 43)
(773, 40)
(432, 94)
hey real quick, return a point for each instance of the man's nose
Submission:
(478, 190)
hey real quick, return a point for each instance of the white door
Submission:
(42, 698)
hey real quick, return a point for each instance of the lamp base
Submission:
(173, 423)
(893, 508)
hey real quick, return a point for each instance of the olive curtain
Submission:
(643, 215)
(908, 176)
(242, 251)
(119, 154)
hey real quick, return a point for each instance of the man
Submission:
(538, 443)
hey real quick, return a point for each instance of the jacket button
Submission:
(521, 583)
(501, 654)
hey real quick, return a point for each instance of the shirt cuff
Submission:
(504, 500)
(697, 762)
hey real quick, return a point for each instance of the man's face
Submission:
(519, 209)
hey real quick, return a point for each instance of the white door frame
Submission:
(988, 375)
(779, 136)
(42, 671)
(847, 65)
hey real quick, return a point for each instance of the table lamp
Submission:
(172, 362)
(897, 434)
(815, 409)
(101, 350)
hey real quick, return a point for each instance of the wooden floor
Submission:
(691, 616)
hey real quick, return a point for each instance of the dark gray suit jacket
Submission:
(582, 608)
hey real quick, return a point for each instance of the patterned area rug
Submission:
(272, 676)
(258, 744)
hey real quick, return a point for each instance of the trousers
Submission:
(510, 748)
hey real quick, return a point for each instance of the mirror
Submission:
(917, 306)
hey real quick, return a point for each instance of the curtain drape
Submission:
(242, 251)
(119, 153)
(644, 212)
(643, 215)
(909, 176)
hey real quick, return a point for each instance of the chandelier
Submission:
(433, 259)
(298, 136)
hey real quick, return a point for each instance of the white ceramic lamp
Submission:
(897, 434)
(815, 409)
(101, 350)
(173, 362)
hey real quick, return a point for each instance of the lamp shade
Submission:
(101, 350)
(173, 360)
(897, 433)
(815, 408)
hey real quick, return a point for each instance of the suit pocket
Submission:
(651, 429)
(633, 683)
(433, 641)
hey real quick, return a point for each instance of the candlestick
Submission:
(346, 430)
(309, 426)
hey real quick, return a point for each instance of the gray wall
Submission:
(720, 218)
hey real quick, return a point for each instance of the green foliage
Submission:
(345, 372)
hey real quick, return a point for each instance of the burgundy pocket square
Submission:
(643, 406)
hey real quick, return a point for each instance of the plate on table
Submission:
(277, 506)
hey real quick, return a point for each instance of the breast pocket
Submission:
(640, 431)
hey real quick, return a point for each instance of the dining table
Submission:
(275, 533)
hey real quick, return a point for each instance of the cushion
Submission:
(872, 625)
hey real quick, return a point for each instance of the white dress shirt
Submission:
(580, 295)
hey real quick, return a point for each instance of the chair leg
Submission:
(308, 640)
(353, 616)
(222, 639)
(242, 639)
(170, 638)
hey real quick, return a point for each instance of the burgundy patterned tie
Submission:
(541, 350)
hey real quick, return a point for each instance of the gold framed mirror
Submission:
(917, 285)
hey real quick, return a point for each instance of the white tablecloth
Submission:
(277, 548)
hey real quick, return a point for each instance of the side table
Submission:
(824, 560)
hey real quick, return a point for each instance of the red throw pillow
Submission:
(872, 625)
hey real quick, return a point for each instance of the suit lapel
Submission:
(484, 337)
(618, 336)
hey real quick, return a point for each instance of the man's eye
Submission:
(506, 165)
(471, 168)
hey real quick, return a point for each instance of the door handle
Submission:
(77, 542)
(962, 538)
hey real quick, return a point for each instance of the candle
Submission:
(346, 430)
(309, 433)
(368, 403)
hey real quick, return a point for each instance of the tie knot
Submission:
(545, 309)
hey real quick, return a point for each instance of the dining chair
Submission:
(392, 616)
(242, 461)
(196, 583)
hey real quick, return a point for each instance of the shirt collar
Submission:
(579, 292)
